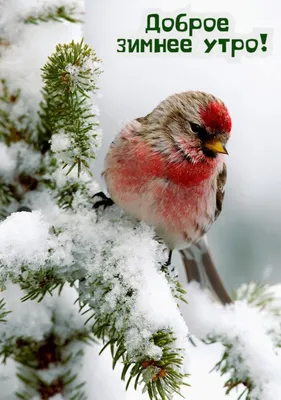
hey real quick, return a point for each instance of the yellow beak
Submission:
(216, 146)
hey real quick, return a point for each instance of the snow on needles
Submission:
(21, 68)
(114, 249)
(23, 241)
(249, 333)
(56, 314)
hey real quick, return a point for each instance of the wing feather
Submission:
(221, 181)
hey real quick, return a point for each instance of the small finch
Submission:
(168, 170)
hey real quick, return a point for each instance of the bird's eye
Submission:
(196, 128)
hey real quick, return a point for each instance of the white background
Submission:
(246, 239)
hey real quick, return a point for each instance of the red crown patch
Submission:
(216, 117)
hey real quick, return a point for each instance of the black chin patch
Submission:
(209, 153)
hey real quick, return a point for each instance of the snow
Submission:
(56, 314)
(70, 145)
(29, 319)
(115, 250)
(28, 160)
(204, 385)
(250, 332)
(16, 159)
(60, 142)
(239, 322)
(12, 12)
(23, 238)
(22, 69)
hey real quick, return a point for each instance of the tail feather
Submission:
(199, 266)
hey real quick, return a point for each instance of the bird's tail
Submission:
(200, 267)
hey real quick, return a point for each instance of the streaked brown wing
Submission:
(221, 180)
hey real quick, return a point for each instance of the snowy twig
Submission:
(70, 77)
(46, 346)
(57, 14)
(249, 330)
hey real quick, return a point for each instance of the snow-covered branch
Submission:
(118, 261)
(248, 329)
(47, 341)
(67, 111)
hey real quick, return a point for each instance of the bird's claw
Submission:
(100, 194)
(105, 202)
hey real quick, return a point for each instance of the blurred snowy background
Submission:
(246, 239)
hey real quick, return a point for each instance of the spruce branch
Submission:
(104, 256)
(67, 193)
(160, 377)
(36, 358)
(40, 283)
(259, 295)
(259, 303)
(229, 365)
(92, 247)
(67, 111)
(3, 311)
(57, 14)
(172, 277)
(12, 129)
(6, 195)
(47, 364)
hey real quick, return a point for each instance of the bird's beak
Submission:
(217, 146)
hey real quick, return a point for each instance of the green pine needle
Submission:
(59, 14)
(70, 77)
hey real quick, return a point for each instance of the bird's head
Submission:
(195, 124)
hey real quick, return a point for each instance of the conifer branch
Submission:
(67, 111)
(3, 311)
(12, 129)
(233, 362)
(35, 358)
(57, 14)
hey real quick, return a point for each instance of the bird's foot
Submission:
(167, 264)
(105, 201)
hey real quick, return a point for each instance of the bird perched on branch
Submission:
(168, 170)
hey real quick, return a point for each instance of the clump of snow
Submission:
(28, 160)
(113, 249)
(125, 256)
(73, 70)
(60, 142)
(29, 319)
(55, 314)
(248, 331)
(16, 159)
(23, 241)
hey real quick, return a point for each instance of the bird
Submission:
(168, 169)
